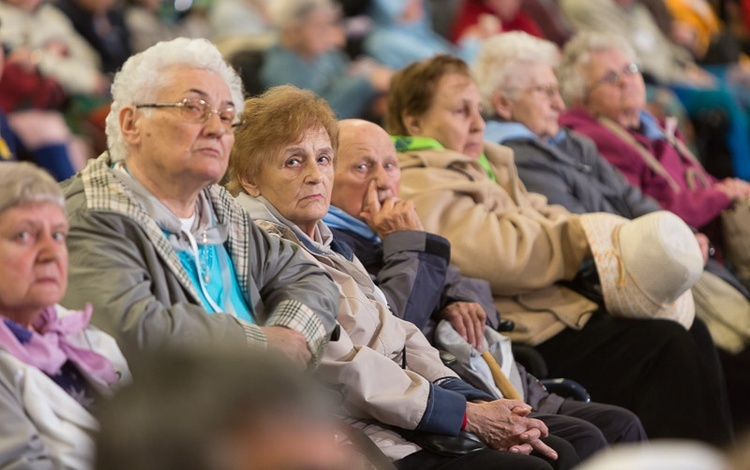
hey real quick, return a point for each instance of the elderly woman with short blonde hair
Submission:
(54, 367)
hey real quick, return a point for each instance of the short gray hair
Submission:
(24, 183)
(141, 79)
(289, 13)
(500, 56)
(576, 57)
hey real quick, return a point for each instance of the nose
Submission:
(50, 249)
(214, 125)
(477, 122)
(557, 102)
(313, 174)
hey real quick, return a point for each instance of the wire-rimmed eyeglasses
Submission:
(198, 111)
(614, 77)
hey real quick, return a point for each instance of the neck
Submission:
(630, 119)
(309, 229)
(179, 198)
(25, 318)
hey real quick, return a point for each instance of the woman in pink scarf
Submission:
(53, 366)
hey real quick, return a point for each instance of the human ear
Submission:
(412, 124)
(249, 186)
(128, 118)
(502, 105)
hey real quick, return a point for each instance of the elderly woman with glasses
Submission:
(606, 94)
(392, 380)
(159, 248)
(468, 191)
(54, 367)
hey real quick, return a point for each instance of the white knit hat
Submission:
(646, 265)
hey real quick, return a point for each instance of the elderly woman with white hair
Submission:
(54, 367)
(158, 247)
(309, 56)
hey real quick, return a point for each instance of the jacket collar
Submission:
(106, 191)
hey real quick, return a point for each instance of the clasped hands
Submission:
(504, 425)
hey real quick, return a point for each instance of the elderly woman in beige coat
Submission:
(393, 383)
(468, 191)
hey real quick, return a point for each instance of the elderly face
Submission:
(366, 154)
(454, 117)
(168, 145)
(538, 104)
(319, 32)
(614, 90)
(33, 260)
(298, 181)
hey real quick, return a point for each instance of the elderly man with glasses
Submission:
(160, 249)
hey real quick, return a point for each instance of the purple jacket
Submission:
(697, 206)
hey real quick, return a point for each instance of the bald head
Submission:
(366, 154)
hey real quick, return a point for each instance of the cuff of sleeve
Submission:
(412, 240)
(444, 413)
(299, 317)
(254, 336)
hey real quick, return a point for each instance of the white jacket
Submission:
(41, 425)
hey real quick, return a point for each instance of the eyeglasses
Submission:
(615, 78)
(198, 111)
(549, 90)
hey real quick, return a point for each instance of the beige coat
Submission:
(367, 361)
(502, 233)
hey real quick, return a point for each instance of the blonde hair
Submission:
(24, 183)
(499, 58)
(280, 116)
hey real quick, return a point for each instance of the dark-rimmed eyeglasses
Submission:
(198, 111)
(614, 77)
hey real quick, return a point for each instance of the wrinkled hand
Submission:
(390, 216)
(288, 342)
(468, 319)
(704, 244)
(503, 425)
(734, 188)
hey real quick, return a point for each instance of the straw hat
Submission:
(646, 265)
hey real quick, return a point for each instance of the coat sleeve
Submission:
(516, 248)
(21, 445)
(696, 207)
(295, 290)
(376, 387)
(413, 274)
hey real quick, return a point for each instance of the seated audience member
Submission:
(102, 24)
(519, 91)
(506, 13)
(158, 247)
(54, 367)
(412, 269)
(403, 33)
(232, 19)
(216, 409)
(393, 383)
(671, 65)
(40, 37)
(147, 25)
(468, 191)
(309, 55)
(604, 89)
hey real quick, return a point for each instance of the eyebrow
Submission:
(204, 96)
